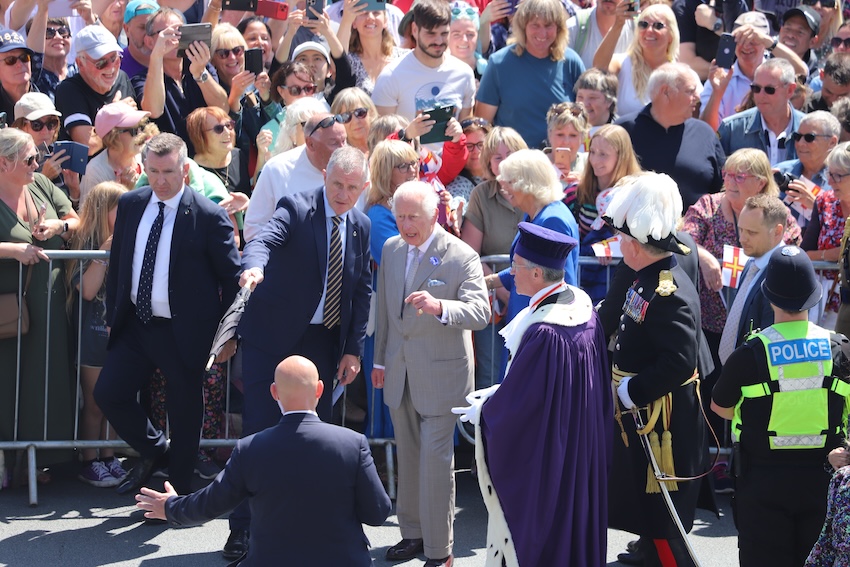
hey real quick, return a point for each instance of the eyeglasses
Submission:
(836, 177)
(657, 26)
(809, 138)
(29, 160)
(13, 59)
(477, 146)
(219, 128)
(356, 113)
(295, 90)
(408, 166)
(225, 53)
(50, 33)
(134, 131)
(104, 61)
(38, 126)
(329, 121)
(823, 3)
(758, 88)
(515, 266)
(737, 176)
(475, 121)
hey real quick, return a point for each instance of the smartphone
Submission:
(3, 120)
(318, 5)
(441, 114)
(239, 5)
(190, 33)
(513, 6)
(254, 60)
(634, 7)
(272, 9)
(78, 155)
(563, 159)
(374, 5)
(726, 57)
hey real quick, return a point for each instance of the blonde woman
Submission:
(538, 55)
(359, 105)
(88, 278)
(655, 43)
(368, 43)
(566, 129)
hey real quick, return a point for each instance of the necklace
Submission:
(225, 178)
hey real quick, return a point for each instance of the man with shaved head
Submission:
(298, 477)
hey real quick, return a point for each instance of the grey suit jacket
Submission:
(435, 360)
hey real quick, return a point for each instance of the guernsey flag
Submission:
(734, 261)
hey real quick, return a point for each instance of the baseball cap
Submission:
(139, 8)
(33, 106)
(10, 39)
(96, 42)
(117, 115)
(311, 46)
(755, 19)
(809, 14)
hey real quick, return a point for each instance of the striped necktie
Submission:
(333, 290)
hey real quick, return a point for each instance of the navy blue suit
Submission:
(311, 485)
(757, 312)
(292, 251)
(203, 280)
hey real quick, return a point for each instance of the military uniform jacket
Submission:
(657, 344)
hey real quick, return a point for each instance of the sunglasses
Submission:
(38, 126)
(469, 12)
(738, 177)
(809, 138)
(407, 166)
(329, 121)
(219, 128)
(657, 26)
(102, 63)
(134, 131)
(50, 33)
(477, 146)
(466, 123)
(823, 3)
(28, 161)
(225, 53)
(356, 113)
(295, 90)
(758, 88)
(13, 59)
(837, 42)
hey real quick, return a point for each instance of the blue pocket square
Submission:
(435, 283)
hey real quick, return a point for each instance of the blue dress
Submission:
(378, 423)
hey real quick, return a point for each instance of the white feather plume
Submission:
(649, 204)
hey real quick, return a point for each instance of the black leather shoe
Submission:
(633, 546)
(237, 544)
(405, 549)
(631, 558)
(137, 477)
(446, 561)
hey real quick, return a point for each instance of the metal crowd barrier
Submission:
(33, 445)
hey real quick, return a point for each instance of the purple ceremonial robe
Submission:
(547, 434)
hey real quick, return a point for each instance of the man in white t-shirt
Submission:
(428, 76)
(589, 26)
(297, 170)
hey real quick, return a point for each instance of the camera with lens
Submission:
(783, 179)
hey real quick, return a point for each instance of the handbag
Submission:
(9, 311)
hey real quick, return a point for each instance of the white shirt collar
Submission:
(762, 260)
(424, 246)
(558, 287)
(311, 412)
(171, 203)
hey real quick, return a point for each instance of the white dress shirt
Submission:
(159, 293)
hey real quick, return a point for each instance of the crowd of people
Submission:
(351, 166)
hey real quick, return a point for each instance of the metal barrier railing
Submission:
(33, 445)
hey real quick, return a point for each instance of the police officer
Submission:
(655, 369)
(786, 391)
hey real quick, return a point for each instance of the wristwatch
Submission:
(403, 137)
(64, 228)
(203, 78)
(773, 45)
(718, 25)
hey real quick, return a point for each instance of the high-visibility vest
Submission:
(799, 359)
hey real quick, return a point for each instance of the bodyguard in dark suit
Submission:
(173, 270)
(311, 268)
(761, 228)
(310, 484)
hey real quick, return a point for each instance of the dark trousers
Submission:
(779, 513)
(260, 411)
(130, 363)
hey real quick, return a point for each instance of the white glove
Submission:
(623, 393)
(476, 400)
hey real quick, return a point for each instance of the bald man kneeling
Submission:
(310, 485)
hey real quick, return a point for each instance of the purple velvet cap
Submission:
(543, 246)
